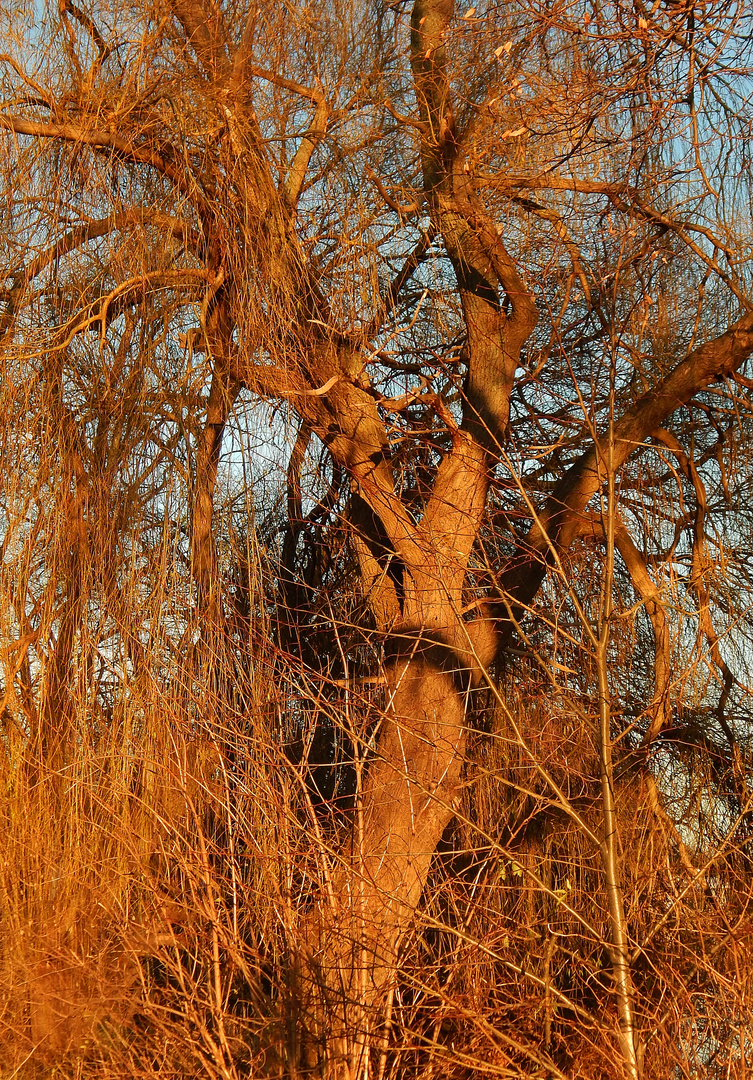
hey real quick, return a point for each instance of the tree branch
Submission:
(661, 707)
(309, 141)
(481, 263)
(205, 29)
(557, 525)
(398, 283)
(107, 140)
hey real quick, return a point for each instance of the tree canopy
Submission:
(377, 546)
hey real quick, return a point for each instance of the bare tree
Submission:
(490, 266)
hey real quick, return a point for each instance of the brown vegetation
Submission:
(375, 592)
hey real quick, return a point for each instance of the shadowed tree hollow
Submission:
(376, 536)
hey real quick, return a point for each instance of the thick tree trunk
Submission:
(410, 795)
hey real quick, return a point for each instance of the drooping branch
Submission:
(700, 568)
(290, 600)
(76, 238)
(139, 152)
(223, 392)
(609, 848)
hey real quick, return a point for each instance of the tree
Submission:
(489, 267)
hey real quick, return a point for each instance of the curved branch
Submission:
(45, 98)
(102, 311)
(82, 234)
(405, 273)
(480, 260)
(409, 210)
(627, 199)
(381, 573)
(107, 140)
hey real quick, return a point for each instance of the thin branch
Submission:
(314, 94)
(44, 97)
(398, 283)
(548, 214)
(406, 210)
(90, 26)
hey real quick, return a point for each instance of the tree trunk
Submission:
(351, 959)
